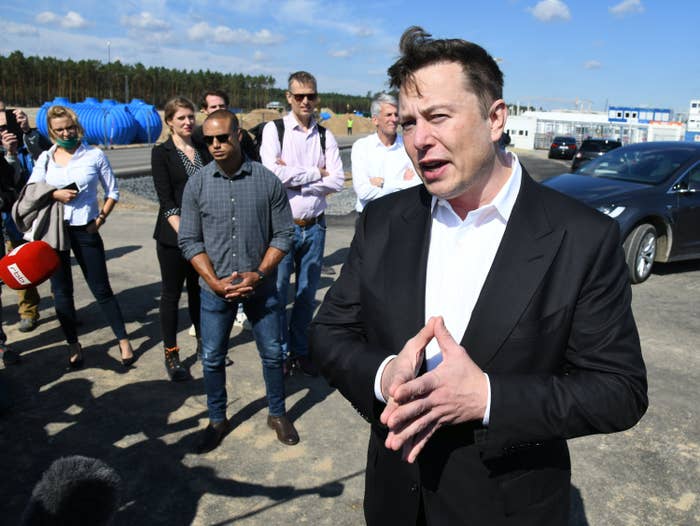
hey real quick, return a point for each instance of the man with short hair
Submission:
(481, 319)
(213, 100)
(380, 165)
(235, 227)
(309, 166)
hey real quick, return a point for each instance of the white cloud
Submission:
(340, 53)
(144, 20)
(627, 7)
(259, 56)
(71, 20)
(548, 10)
(226, 35)
(19, 29)
(592, 64)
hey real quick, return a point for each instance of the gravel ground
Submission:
(339, 204)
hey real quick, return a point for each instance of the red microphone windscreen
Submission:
(28, 265)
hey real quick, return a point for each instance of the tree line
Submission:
(31, 81)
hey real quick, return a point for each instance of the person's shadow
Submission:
(577, 511)
(129, 428)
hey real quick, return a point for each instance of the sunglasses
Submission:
(209, 139)
(299, 97)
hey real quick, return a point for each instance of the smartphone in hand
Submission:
(72, 186)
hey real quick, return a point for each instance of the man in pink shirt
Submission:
(308, 163)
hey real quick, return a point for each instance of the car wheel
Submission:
(640, 252)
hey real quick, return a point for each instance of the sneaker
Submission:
(27, 324)
(241, 320)
(192, 331)
(9, 357)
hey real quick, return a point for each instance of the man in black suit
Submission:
(480, 319)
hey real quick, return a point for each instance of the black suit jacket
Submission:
(169, 179)
(552, 328)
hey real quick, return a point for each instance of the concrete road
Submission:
(136, 160)
(130, 161)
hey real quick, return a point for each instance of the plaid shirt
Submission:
(234, 219)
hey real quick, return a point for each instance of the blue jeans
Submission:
(90, 253)
(217, 315)
(304, 259)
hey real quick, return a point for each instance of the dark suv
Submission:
(592, 149)
(563, 148)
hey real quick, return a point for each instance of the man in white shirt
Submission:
(380, 164)
(480, 319)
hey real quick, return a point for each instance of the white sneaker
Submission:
(192, 332)
(240, 319)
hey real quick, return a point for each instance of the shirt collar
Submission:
(504, 201)
(398, 143)
(292, 120)
(245, 169)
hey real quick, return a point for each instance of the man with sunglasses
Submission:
(235, 227)
(309, 168)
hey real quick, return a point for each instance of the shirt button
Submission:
(414, 487)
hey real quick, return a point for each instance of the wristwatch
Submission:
(261, 274)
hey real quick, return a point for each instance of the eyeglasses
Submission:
(209, 139)
(299, 97)
(70, 128)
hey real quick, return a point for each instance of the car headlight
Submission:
(611, 210)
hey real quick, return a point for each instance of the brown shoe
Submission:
(212, 436)
(284, 429)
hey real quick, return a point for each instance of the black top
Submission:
(169, 178)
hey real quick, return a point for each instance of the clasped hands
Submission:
(239, 285)
(455, 391)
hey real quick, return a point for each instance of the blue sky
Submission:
(553, 52)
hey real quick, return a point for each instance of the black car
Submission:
(653, 192)
(562, 148)
(592, 148)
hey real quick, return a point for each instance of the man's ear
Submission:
(498, 114)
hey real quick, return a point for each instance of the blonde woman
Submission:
(75, 170)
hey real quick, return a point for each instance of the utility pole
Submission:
(109, 69)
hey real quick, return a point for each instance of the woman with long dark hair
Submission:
(172, 163)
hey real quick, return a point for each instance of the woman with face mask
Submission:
(75, 170)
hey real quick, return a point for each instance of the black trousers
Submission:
(175, 271)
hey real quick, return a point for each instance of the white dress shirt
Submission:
(371, 158)
(459, 259)
(88, 167)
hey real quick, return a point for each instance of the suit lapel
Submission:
(526, 251)
(408, 260)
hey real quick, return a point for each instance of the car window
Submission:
(589, 146)
(694, 178)
(638, 165)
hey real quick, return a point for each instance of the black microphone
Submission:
(74, 491)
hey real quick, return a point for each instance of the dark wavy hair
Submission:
(418, 49)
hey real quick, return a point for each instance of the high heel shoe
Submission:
(75, 355)
(127, 362)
